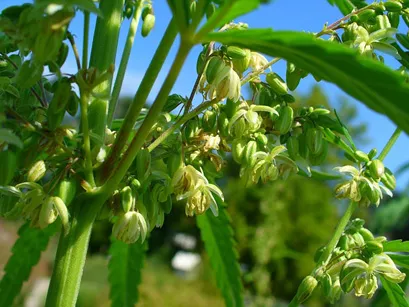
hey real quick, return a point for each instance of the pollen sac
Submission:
(37, 171)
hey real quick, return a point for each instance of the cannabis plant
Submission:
(132, 171)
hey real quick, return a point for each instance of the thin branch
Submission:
(75, 49)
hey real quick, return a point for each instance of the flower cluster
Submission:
(368, 184)
(356, 263)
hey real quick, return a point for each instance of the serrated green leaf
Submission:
(396, 246)
(395, 293)
(8, 136)
(374, 84)
(400, 260)
(86, 5)
(125, 268)
(26, 254)
(217, 236)
(345, 6)
(231, 9)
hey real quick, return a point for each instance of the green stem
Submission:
(140, 97)
(257, 72)
(124, 62)
(179, 123)
(89, 175)
(325, 257)
(390, 144)
(71, 253)
(85, 41)
(149, 121)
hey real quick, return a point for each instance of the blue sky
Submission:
(297, 15)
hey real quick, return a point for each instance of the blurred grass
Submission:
(160, 286)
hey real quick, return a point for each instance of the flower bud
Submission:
(319, 157)
(249, 151)
(293, 147)
(239, 128)
(366, 234)
(388, 179)
(242, 64)
(48, 214)
(73, 104)
(366, 15)
(319, 253)
(264, 98)
(315, 140)
(37, 171)
(285, 120)
(382, 22)
(376, 168)
(62, 211)
(235, 52)
(214, 69)
(201, 62)
(394, 18)
(261, 139)
(209, 121)
(223, 124)
(127, 200)
(135, 185)
(148, 24)
(192, 128)
(237, 150)
(277, 83)
(393, 6)
(61, 96)
(361, 156)
(62, 54)
(306, 288)
(126, 228)
(374, 246)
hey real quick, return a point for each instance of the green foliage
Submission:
(125, 268)
(396, 246)
(217, 236)
(267, 222)
(7, 136)
(345, 6)
(231, 9)
(131, 173)
(395, 293)
(26, 254)
(384, 93)
(400, 260)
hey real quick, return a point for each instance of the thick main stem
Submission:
(72, 249)
(89, 175)
(71, 253)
